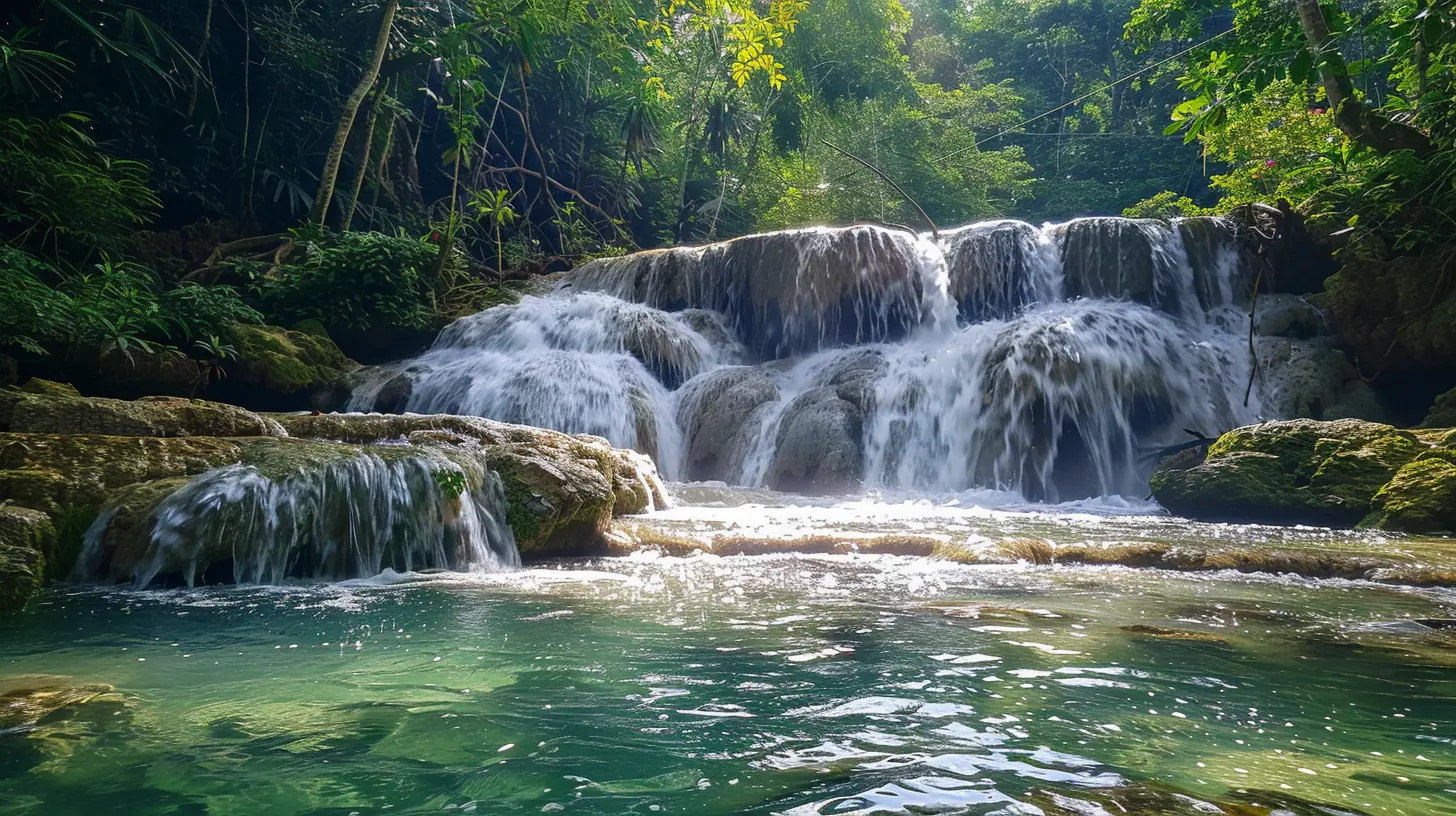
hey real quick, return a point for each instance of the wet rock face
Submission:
(819, 446)
(1298, 472)
(996, 268)
(1109, 257)
(783, 293)
(26, 538)
(560, 491)
(714, 411)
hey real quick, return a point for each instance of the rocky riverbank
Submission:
(1343, 473)
(67, 461)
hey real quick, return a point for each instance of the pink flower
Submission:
(1269, 163)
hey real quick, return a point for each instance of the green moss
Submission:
(1301, 471)
(47, 388)
(286, 361)
(51, 471)
(25, 537)
(1421, 498)
(71, 523)
(151, 416)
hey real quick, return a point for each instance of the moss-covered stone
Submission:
(554, 482)
(286, 361)
(1443, 412)
(1421, 498)
(25, 538)
(1301, 471)
(150, 416)
(49, 472)
(35, 385)
(26, 699)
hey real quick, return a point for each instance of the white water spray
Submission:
(1005, 355)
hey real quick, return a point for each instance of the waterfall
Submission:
(349, 518)
(1003, 355)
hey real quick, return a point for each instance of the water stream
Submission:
(984, 399)
(754, 684)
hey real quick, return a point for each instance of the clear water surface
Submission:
(791, 684)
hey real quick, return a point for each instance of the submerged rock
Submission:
(1295, 472)
(27, 698)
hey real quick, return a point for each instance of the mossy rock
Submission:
(35, 385)
(1421, 498)
(286, 361)
(55, 413)
(49, 472)
(26, 536)
(555, 505)
(599, 463)
(1295, 472)
(1443, 412)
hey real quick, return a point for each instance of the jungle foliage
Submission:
(390, 162)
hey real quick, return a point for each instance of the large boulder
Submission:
(1302, 378)
(286, 362)
(819, 449)
(714, 411)
(1421, 498)
(1295, 472)
(562, 490)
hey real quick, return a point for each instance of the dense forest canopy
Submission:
(170, 168)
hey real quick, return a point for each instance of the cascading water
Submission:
(1003, 355)
(584, 363)
(352, 517)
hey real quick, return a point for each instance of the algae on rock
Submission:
(1299, 471)
(26, 537)
(285, 361)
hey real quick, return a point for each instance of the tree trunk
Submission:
(1352, 116)
(369, 127)
(346, 117)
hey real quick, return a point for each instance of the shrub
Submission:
(32, 314)
(359, 280)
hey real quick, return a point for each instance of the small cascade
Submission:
(581, 363)
(1003, 355)
(998, 268)
(790, 292)
(350, 518)
(1053, 403)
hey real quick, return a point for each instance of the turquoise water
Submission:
(762, 684)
